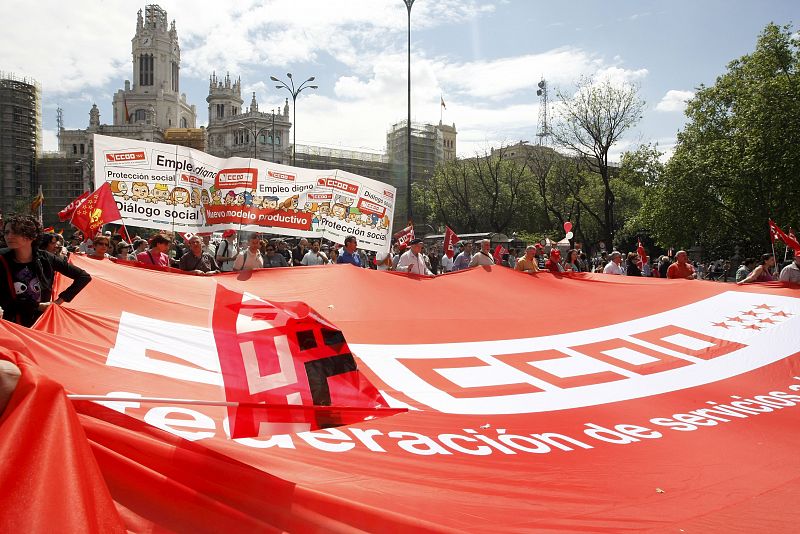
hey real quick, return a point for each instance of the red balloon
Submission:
(567, 226)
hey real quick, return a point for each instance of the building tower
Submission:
(543, 131)
(155, 96)
(224, 98)
(20, 140)
(249, 133)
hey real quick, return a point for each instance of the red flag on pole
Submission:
(450, 239)
(69, 210)
(793, 237)
(499, 251)
(404, 236)
(642, 254)
(776, 233)
(124, 233)
(98, 209)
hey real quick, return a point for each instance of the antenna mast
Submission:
(59, 123)
(544, 127)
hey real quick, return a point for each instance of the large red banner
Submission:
(572, 407)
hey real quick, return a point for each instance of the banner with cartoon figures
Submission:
(176, 188)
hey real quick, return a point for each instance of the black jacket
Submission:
(45, 266)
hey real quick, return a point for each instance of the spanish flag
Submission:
(37, 202)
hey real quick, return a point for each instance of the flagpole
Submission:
(786, 250)
(41, 203)
(202, 402)
(772, 242)
(441, 108)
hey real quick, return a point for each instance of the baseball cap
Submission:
(228, 233)
(415, 241)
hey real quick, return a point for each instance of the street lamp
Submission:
(256, 131)
(294, 92)
(409, 3)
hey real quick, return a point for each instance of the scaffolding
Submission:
(20, 140)
(63, 178)
(372, 164)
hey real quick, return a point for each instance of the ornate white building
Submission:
(250, 133)
(153, 103)
(156, 58)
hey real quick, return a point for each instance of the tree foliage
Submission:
(590, 122)
(737, 162)
(478, 194)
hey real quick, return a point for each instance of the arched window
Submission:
(184, 122)
(278, 140)
(139, 115)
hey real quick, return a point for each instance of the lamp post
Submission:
(256, 131)
(273, 135)
(294, 92)
(408, 4)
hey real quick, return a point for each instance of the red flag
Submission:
(48, 230)
(499, 251)
(315, 381)
(793, 237)
(69, 210)
(124, 233)
(98, 209)
(776, 233)
(405, 235)
(450, 239)
(642, 253)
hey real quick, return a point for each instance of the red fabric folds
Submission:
(50, 478)
(584, 402)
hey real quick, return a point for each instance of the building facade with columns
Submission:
(150, 106)
(245, 132)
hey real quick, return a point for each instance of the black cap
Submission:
(415, 241)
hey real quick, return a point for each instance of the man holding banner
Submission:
(412, 261)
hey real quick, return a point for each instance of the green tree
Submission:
(479, 194)
(590, 122)
(737, 161)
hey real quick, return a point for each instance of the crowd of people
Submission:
(32, 258)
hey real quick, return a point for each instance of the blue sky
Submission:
(484, 58)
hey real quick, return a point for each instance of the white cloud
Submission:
(49, 140)
(356, 47)
(674, 100)
(67, 47)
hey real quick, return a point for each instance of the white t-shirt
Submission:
(225, 249)
(613, 268)
(248, 260)
(314, 258)
(411, 263)
(446, 263)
